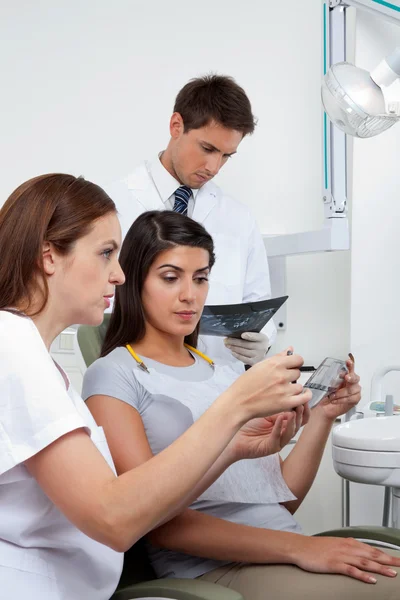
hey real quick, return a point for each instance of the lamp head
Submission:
(354, 102)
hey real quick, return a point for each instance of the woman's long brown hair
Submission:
(54, 208)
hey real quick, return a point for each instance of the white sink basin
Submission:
(379, 433)
(368, 450)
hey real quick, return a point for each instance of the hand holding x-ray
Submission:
(250, 348)
(347, 395)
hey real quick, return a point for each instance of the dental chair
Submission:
(138, 579)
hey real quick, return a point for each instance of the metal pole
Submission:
(386, 507)
(345, 503)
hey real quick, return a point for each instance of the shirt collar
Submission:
(166, 184)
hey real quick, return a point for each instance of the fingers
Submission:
(388, 559)
(379, 555)
(348, 557)
(295, 388)
(306, 414)
(350, 390)
(354, 573)
(350, 396)
(244, 359)
(236, 343)
(362, 559)
(343, 406)
(253, 336)
(295, 361)
(293, 375)
(362, 569)
(290, 361)
(299, 412)
(298, 399)
(242, 350)
(276, 434)
(287, 352)
(278, 426)
(289, 366)
(374, 553)
(365, 567)
(289, 431)
(352, 378)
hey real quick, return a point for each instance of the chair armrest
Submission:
(388, 536)
(179, 589)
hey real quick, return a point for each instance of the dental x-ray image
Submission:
(234, 319)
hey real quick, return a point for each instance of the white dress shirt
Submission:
(167, 185)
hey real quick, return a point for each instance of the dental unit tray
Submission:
(234, 319)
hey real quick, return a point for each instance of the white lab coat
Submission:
(240, 273)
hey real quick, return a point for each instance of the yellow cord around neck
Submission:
(203, 356)
(144, 367)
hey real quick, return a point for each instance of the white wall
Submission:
(375, 287)
(375, 281)
(88, 88)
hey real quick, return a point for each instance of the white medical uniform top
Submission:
(240, 273)
(37, 543)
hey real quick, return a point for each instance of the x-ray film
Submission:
(326, 379)
(234, 319)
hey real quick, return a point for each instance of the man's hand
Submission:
(250, 349)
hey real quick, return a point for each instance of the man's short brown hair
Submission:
(215, 98)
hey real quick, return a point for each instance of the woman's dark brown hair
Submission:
(215, 98)
(151, 233)
(54, 208)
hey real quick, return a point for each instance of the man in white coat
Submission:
(212, 114)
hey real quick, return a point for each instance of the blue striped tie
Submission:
(182, 196)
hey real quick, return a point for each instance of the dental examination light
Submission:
(354, 104)
(353, 98)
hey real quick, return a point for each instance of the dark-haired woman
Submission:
(151, 384)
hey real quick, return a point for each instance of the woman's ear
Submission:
(48, 259)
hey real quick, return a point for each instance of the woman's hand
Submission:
(343, 555)
(341, 401)
(267, 388)
(268, 435)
